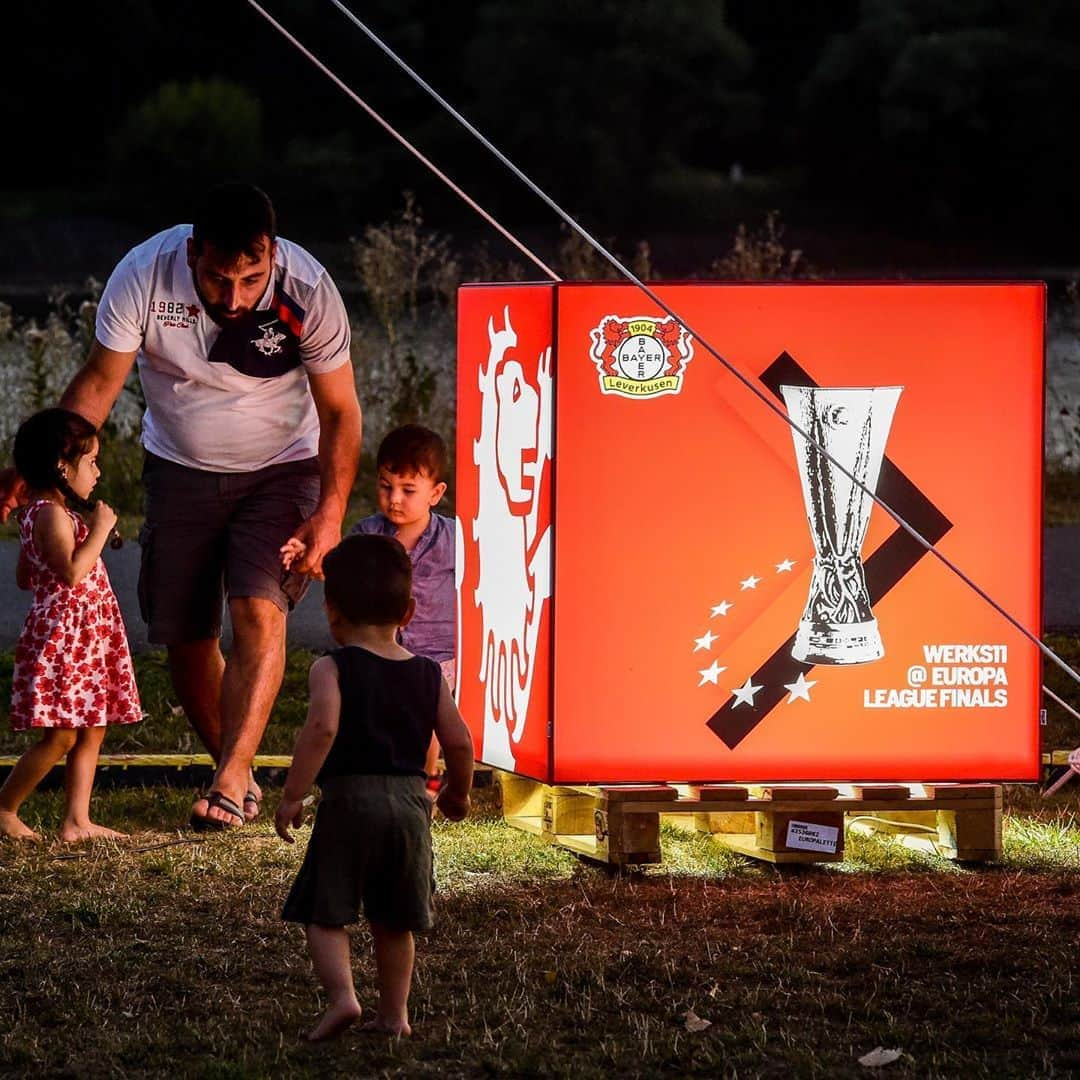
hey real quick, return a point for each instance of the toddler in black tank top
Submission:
(374, 707)
(388, 712)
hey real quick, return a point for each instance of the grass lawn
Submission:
(166, 954)
(165, 728)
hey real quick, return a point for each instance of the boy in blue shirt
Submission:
(412, 469)
(374, 708)
(412, 466)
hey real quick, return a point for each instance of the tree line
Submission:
(925, 114)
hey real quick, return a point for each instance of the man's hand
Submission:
(310, 544)
(289, 812)
(453, 807)
(12, 492)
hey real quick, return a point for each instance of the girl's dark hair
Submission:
(369, 579)
(46, 439)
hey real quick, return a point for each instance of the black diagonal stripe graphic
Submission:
(896, 556)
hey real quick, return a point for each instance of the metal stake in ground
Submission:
(1072, 769)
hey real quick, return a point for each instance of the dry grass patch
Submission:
(157, 955)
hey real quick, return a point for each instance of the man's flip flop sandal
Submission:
(251, 797)
(215, 800)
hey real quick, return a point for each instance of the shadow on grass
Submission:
(540, 964)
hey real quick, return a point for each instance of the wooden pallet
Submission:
(779, 823)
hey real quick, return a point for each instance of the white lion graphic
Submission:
(511, 455)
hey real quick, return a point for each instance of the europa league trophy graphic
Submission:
(852, 424)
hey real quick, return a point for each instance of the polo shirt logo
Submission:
(270, 342)
(174, 313)
(257, 345)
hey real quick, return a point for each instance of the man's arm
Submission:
(92, 393)
(339, 453)
(97, 384)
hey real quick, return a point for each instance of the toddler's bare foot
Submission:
(71, 833)
(335, 1020)
(14, 829)
(396, 1028)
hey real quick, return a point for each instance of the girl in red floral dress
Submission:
(73, 673)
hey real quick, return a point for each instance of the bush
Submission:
(578, 260)
(1063, 391)
(761, 255)
(405, 352)
(191, 134)
(36, 364)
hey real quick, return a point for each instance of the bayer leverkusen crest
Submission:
(640, 357)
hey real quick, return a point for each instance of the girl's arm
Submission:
(22, 570)
(312, 744)
(55, 539)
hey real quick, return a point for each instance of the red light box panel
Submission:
(659, 579)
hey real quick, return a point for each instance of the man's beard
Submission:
(221, 314)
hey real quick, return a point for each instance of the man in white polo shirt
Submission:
(252, 435)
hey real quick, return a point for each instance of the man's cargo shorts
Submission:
(210, 536)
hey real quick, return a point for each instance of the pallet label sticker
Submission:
(806, 836)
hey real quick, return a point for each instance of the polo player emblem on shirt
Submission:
(270, 343)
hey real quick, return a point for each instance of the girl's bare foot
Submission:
(71, 833)
(14, 829)
(396, 1028)
(335, 1020)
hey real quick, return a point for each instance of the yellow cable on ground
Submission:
(181, 761)
(178, 761)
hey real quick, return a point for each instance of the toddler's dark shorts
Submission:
(370, 850)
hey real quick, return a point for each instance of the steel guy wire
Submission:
(651, 294)
(1064, 704)
(642, 287)
(394, 133)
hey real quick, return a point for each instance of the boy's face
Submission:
(406, 498)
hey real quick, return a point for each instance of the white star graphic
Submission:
(745, 694)
(750, 583)
(785, 566)
(705, 641)
(721, 609)
(800, 688)
(711, 673)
